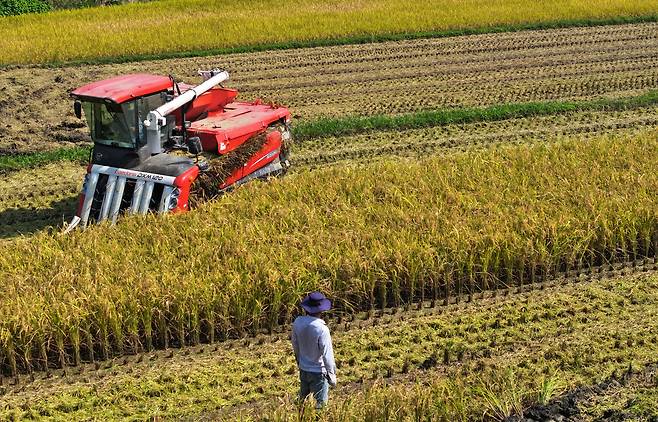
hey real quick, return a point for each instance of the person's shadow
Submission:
(27, 220)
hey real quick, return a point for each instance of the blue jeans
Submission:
(316, 384)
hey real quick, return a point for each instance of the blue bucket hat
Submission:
(315, 303)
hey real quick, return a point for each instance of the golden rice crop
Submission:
(376, 235)
(534, 333)
(182, 25)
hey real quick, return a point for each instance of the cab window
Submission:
(111, 124)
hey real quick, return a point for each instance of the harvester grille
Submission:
(111, 191)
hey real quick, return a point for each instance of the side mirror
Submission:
(77, 109)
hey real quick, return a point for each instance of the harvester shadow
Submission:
(25, 221)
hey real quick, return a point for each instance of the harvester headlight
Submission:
(173, 199)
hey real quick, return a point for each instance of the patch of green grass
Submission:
(9, 163)
(358, 124)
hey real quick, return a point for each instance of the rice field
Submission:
(485, 266)
(372, 79)
(423, 230)
(33, 200)
(392, 361)
(175, 26)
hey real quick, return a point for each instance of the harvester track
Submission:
(368, 79)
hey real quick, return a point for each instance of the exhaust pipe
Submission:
(156, 118)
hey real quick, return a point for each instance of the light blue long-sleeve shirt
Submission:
(311, 342)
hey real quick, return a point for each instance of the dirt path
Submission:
(382, 78)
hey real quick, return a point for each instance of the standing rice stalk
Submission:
(367, 237)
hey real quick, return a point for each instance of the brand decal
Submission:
(139, 175)
(150, 176)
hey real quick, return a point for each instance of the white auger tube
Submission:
(156, 118)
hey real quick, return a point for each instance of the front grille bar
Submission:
(113, 192)
(137, 196)
(89, 197)
(118, 193)
(146, 197)
(109, 194)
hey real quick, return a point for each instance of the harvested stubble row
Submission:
(30, 198)
(487, 361)
(369, 236)
(406, 348)
(370, 79)
(418, 143)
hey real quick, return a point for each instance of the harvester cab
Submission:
(148, 132)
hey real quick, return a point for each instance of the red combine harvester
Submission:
(149, 133)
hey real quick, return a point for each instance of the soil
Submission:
(579, 404)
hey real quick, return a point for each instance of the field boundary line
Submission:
(17, 162)
(353, 125)
(359, 39)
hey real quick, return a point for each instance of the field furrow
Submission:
(583, 39)
(383, 78)
(350, 77)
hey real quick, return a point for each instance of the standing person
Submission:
(314, 352)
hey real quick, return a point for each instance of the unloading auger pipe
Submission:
(156, 118)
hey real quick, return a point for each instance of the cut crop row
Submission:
(375, 236)
(34, 199)
(423, 142)
(370, 79)
(529, 343)
(462, 341)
